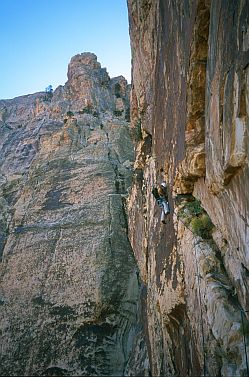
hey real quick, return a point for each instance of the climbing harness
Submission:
(162, 200)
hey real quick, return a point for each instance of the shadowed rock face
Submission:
(69, 289)
(190, 105)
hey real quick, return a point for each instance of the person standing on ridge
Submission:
(161, 195)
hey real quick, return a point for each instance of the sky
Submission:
(39, 37)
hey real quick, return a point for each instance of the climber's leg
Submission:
(163, 216)
(166, 207)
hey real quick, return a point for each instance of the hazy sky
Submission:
(38, 38)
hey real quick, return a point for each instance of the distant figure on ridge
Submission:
(161, 195)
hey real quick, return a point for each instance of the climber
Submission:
(161, 196)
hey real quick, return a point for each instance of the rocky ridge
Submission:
(69, 290)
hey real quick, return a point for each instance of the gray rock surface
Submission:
(68, 285)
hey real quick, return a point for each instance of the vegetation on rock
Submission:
(137, 131)
(118, 113)
(195, 217)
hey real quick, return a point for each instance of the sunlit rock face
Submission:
(69, 291)
(189, 109)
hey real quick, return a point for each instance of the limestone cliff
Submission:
(69, 290)
(189, 110)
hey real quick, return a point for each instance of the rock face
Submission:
(72, 301)
(190, 108)
(69, 291)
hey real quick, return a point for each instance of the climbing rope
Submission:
(200, 301)
(242, 312)
(201, 311)
(202, 325)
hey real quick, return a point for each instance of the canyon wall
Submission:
(69, 287)
(189, 110)
(86, 289)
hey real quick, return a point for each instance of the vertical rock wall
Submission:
(189, 110)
